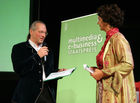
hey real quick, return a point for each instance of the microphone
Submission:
(45, 57)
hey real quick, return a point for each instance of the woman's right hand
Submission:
(93, 68)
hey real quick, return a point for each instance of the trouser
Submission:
(46, 96)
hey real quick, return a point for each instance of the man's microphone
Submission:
(45, 57)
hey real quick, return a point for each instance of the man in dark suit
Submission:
(33, 62)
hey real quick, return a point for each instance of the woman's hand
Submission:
(93, 68)
(98, 74)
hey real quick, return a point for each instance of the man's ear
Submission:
(31, 31)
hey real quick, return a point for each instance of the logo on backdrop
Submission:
(66, 27)
(84, 44)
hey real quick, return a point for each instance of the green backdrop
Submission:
(14, 26)
(81, 40)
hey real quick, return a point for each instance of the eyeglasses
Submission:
(43, 32)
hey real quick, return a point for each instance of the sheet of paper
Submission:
(59, 74)
(87, 68)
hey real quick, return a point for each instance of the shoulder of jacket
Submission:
(117, 37)
(22, 45)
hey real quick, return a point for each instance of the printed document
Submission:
(59, 74)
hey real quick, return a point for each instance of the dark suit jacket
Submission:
(28, 65)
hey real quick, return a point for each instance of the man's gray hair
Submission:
(33, 25)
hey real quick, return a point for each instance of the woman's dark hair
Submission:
(111, 14)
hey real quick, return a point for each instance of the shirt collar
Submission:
(111, 32)
(34, 45)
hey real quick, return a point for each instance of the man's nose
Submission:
(43, 34)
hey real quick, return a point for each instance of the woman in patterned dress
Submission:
(114, 71)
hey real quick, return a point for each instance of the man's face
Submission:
(38, 35)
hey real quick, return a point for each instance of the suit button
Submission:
(40, 80)
(39, 63)
(39, 72)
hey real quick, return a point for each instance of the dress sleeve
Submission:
(124, 60)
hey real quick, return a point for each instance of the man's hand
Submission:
(43, 51)
(60, 70)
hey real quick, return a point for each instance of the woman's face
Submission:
(101, 23)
